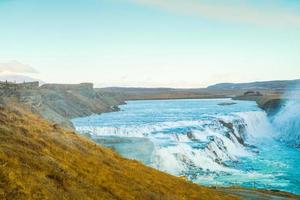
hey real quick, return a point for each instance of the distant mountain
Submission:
(136, 89)
(19, 78)
(274, 85)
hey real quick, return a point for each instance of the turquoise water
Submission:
(204, 140)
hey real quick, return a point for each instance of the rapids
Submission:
(210, 141)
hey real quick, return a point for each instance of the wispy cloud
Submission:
(244, 11)
(16, 67)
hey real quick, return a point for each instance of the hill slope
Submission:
(272, 85)
(41, 161)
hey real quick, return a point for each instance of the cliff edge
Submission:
(59, 103)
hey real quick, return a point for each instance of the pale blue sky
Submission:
(167, 43)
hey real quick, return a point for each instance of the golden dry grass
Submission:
(41, 161)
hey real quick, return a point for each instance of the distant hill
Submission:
(260, 85)
(274, 85)
(160, 93)
(221, 90)
(136, 89)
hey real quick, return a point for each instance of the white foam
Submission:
(177, 159)
(172, 151)
(287, 123)
(135, 130)
(257, 124)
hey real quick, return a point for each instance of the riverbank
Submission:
(254, 194)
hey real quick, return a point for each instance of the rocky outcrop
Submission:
(240, 131)
(226, 103)
(60, 103)
(271, 105)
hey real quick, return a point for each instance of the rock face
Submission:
(60, 103)
(240, 131)
(269, 103)
(226, 103)
(271, 106)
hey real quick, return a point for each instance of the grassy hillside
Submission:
(38, 160)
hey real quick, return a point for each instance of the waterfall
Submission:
(213, 144)
(287, 119)
(205, 142)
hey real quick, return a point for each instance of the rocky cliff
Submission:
(59, 103)
(270, 103)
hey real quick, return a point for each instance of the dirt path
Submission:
(257, 195)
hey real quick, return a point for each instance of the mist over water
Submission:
(209, 143)
(287, 123)
(287, 120)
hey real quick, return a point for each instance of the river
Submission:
(210, 141)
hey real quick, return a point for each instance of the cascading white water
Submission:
(205, 144)
(257, 124)
(287, 120)
(202, 140)
(224, 138)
